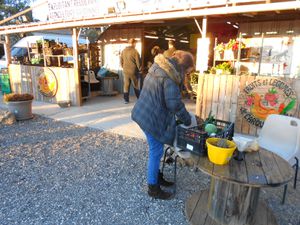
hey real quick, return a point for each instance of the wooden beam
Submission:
(199, 87)
(132, 18)
(7, 50)
(76, 67)
(21, 13)
(198, 26)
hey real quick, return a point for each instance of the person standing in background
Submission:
(154, 52)
(187, 85)
(168, 53)
(131, 64)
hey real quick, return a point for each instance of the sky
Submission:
(40, 12)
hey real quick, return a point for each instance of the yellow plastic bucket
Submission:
(218, 155)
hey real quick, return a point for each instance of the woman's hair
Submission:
(156, 50)
(184, 59)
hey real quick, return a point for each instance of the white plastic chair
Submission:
(281, 134)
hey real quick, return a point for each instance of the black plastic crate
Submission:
(225, 129)
(193, 139)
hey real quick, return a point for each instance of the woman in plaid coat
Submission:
(157, 109)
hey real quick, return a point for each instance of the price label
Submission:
(189, 147)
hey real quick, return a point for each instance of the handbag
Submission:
(102, 72)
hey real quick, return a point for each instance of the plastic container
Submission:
(5, 82)
(218, 155)
(193, 139)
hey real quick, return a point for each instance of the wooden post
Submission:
(230, 203)
(198, 100)
(43, 48)
(215, 45)
(238, 67)
(76, 68)
(7, 50)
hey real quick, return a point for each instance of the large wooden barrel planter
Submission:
(21, 109)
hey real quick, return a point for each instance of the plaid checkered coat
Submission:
(160, 101)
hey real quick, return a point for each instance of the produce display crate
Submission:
(5, 82)
(68, 51)
(53, 51)
(194, 139)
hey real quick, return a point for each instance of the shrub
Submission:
(13, 97)
(194, 78)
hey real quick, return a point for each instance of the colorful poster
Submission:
(47, 83)
(268, 96)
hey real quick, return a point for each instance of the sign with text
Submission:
(73, 9)
(79, 9)
(263, 97)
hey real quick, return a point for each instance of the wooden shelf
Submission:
(225, 60)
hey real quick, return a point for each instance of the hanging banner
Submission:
(263, 97)
(73, 9)
(83, 9)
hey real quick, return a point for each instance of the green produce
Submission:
(210, 128)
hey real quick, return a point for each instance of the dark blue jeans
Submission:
(156, 150)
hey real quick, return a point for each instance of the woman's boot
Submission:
(126, 98)
(156, 192)
(164, 182)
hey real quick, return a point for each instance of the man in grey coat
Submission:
(131, 64)
(156, 111)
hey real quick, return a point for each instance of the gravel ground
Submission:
(57, 173)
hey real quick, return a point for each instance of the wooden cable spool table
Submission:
(233, 197)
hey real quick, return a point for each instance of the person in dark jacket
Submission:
(171, 49)
(131, 64)
(156, 111)
(154, 52)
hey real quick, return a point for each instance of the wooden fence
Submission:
(25, 79)
(221, 94)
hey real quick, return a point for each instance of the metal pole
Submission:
(76, 68)
(199, 28)
(216, 42)
(239, 55)
(204, 28)
(88, 64)
(260, 54)
(198, 100)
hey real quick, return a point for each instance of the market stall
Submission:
(81, 15)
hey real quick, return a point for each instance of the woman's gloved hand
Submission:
(193, 121)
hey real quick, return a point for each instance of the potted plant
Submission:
(224, 68)
(20, 105)
(233, 46)
(220, 150)
(194, 81)
(219, 50)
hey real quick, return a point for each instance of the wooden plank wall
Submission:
(220, 95)
(24, 79)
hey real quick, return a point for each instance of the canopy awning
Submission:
(263, 6)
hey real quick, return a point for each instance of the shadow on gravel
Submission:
(59, 173)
